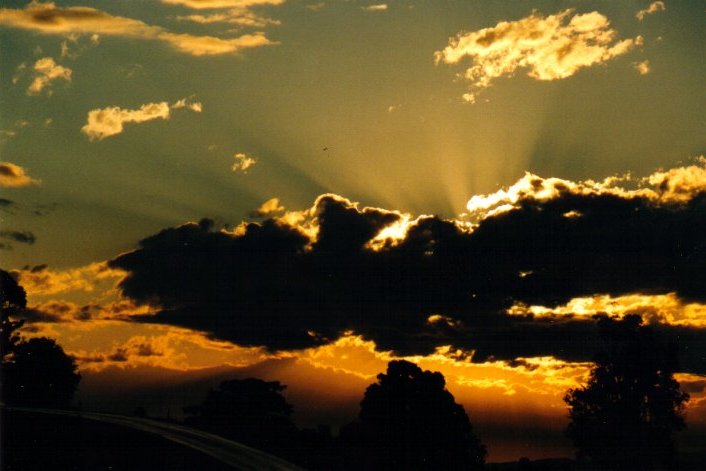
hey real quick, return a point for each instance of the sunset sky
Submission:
(306, 190)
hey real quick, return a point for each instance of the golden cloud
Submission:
(56, 310)
(47, 70)
(186, 103)
(242, 162)
(268, 208)
(674, 186)
(663, 308)
(209, 45)
(106, 122)
(47, 18)
(537, 379)
(680, 184)
(220, 4)
(14, 176)
(653, 8)
(243, 18)
(101, 343)
(550, 48)
(643, 68)
(41, 281)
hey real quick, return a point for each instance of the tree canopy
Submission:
(409, 420)
(35, 372)
(249, 410)
(13, 300)
(624, 417)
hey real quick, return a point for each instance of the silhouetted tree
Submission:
(40, 374)
(409, 420)
(250, 411)
(13, 300)
(623, 419)
(35, 372)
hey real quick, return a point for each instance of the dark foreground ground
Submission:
(33, 441)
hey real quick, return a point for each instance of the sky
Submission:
(325, 186)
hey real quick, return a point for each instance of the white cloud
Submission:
(106, 122)
(379, 7)
(46, 70)
(47, 18)
(653, 8)
(243, 162)
(550, 48)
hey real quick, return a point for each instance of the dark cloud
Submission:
(120, 355)
(56, 311)
(23, 237)
(273, 285)
(13, 207)
(146, 350)
(37, 268)
(44, 209)
(34, 315)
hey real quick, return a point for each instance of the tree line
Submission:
(623, 418)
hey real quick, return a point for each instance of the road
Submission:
(234, 454)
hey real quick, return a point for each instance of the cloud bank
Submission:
(306, 278)
(549, 47)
